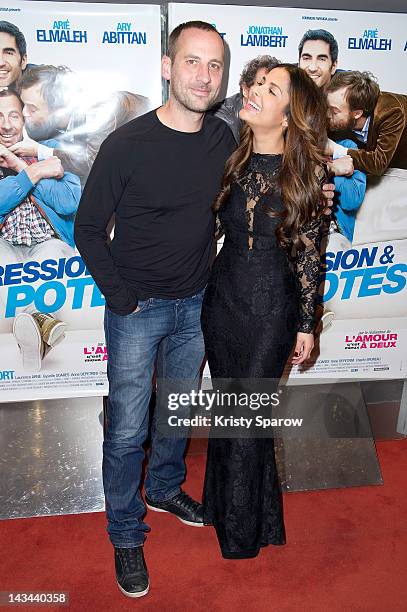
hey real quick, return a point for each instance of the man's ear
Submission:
(334, 67)
(166, 67)
(357, 114)
(24, 62)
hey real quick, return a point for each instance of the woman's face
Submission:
(268, 101)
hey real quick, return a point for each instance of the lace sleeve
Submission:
(307, 263)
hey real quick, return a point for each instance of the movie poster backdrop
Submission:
(102, 69)
(106, 60)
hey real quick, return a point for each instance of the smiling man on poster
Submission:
(13, 54)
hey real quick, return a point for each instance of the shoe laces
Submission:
(132, 559)
(185, 501)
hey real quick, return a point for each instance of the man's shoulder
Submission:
(219, 130)
(212, 121)
(389, 101)
(136, 129)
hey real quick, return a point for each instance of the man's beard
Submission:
(344, 126)
(41, 132)
(192, 104)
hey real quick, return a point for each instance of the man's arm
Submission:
(45, 179)
(13, 190)
(104, 188)
(73, 156)
(352, 188)
(61, 194)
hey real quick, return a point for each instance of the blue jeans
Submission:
(168, 333)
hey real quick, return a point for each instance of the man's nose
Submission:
(204, 75)
(2, 60)
(312, 65)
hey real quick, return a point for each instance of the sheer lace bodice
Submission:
(255, 229)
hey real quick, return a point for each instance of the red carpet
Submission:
(346, 552)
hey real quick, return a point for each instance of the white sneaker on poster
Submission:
(28, 337)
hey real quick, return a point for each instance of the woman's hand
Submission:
(303, 348)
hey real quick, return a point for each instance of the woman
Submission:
(261, 295)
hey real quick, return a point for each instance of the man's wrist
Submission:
(33, 173)
(44, 152)
(339, 151)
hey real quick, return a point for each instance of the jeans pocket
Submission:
(141, 306)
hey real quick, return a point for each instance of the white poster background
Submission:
(77, 366)
(248, 32)
(233, 22)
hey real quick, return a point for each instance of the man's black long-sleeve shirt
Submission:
(160, 183)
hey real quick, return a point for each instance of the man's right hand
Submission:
(47, 168)
(343, 166)
(51, 168)
(25, 148)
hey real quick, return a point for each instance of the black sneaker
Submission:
(131, 571)
(182, 506)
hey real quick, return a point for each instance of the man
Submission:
(54, 108)
(377, 119)
(13, 54)
(318, 56)
(159, 174)
(38, 201)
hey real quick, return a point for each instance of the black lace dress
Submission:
(258, 297)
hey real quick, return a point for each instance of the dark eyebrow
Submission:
(324, 55)
(8, 49)
(192, 56)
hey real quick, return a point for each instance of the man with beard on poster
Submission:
(38, 201)
(55, 107)
(376, 119)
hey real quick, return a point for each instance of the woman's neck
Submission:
(268, 143)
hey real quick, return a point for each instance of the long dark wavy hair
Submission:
(300, 177)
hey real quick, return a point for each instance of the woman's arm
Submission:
(308, 262)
